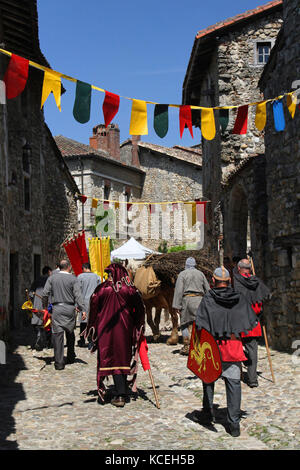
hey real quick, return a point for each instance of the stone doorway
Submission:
(237, 229)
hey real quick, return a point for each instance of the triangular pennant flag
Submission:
(138, 120)
(208, 127)
(241, 122)
(200, 211)
(185, 119)
(291, 102)
(52, 82)
(110, 107)
(16, 76)
(82, 198)
(94, 203)
(161, 119)
(117, 205)
(82, 104)
(105, 205)
(2, 93)
(152, 208)
(223, 119)
(278, 114)
(128, 205)
(261, 115)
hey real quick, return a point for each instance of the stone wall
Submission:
(166, 179)
(233, 74)
(31, 233)
(283, 187)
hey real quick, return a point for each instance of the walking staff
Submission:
(264, 328)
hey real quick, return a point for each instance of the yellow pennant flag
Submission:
(291, 102)
(52, 82)
(261, 115)
(208, 127)
(138, 121)
(94, 203)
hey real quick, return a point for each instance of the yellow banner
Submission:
(291, 102)
(138, 120)
(208, 126)
(261, 115)
(52, 83)
(94, 203)
(99, 255)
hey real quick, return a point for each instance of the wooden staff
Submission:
(154, 389)
(264, 331)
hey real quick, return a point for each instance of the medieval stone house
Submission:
(135, 171)
(38, 209)
(224, 68)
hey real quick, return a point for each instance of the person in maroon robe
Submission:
(116, 323)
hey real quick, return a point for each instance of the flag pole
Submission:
(154, 389)
(264, 332)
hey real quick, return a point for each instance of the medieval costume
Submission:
(88, 282)
(191, 285)
(255, 292)
(116, 322)
(225, 314)
(65, 293)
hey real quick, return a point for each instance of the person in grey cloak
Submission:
(88, 282)
(65, 293)
(42, 339)
(190, 287)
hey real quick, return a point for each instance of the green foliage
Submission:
(176, 248)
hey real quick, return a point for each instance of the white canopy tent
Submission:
(131, 250)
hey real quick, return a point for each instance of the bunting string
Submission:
(16, 77)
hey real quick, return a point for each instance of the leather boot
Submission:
(184, 351)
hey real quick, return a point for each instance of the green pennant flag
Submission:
(161, 119)
(82, 105)
(223, 119)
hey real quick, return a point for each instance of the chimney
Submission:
(107, 139)
(135, 161)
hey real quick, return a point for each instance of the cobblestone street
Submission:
(43, 408)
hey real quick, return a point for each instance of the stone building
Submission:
(224, 68)
(282, 156)
(38, 208)
(135, 171)
(100, 174)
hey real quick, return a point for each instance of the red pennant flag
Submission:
(185, 119)
(143, 352)
(110, 107)
(74, 256)
(240, 126)
(129, 206)
(105, 205)
(174, 205)
(200, 211)
(16, 75)
(81, 246)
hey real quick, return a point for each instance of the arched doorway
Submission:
(237, 226)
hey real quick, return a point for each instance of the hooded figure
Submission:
(116, 321)
(225, 314)
(255, 291)
(191, 285)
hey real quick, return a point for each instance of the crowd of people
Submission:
(111, 317)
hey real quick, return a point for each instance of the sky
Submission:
(135, 49)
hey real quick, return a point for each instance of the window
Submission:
(262, 53)
(26, 193)
(106, 192)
